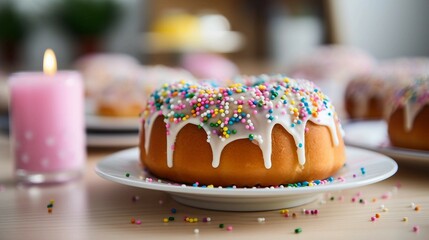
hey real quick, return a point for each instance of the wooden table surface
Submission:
(94, 208)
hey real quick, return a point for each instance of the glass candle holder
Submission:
(47, 126)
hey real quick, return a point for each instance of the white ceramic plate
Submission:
(372, 135)
(95, 122)
(377, 167)
(112, 140)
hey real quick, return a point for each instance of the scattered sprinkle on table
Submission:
(221, 225)
(283, 211)
(229, 228)
(298, 230)
(127, 175)
(50, 206)
(191, 219)
(196, 230)
(405, 219)
(261, 219)
(416, 228)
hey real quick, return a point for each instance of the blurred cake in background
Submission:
(331, 67)
(176, 30)
(408, 121)
(116, 85)
(209, 66)
(367, 95)
(101, 69)
(127, 97)
(153, 77)
(332, 63)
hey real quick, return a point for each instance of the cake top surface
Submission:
(415, 93)
(224, 107)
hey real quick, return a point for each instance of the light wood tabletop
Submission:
(94, 208)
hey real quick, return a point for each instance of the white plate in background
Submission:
(95, 122)
(372, 135)
(112, 140)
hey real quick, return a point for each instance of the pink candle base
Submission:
(47, 125)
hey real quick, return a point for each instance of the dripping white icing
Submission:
(412, 98)
(411, 111)
(263, 126)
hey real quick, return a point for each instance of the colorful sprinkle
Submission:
(416, 228)
(298, 230)
(50, 205)
(191, 219)
(283, 211)
(196, 230)
(229, 228)
(221, 225)
(127, 175)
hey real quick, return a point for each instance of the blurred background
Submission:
(208, 39)
(274, 32)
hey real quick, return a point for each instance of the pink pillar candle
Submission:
(47, 121)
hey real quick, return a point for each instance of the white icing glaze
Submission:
(263, 121)
(412, 98)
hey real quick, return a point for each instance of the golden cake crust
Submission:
(241, 162)
(417, 137)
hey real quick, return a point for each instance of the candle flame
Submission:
(49, 62)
